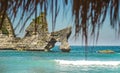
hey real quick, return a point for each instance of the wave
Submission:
(83, 62)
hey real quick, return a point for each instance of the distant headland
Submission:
(41, 40)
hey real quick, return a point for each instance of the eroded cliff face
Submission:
(39, 40)
(46, 41)
(6, 34)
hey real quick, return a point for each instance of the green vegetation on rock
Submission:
(41, 24)
(4, 30)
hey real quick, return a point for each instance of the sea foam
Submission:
(83, 62)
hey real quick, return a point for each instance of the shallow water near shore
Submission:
(12, 61)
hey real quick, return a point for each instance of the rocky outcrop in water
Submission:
(108, 51)
(36, 38)
(60, 36)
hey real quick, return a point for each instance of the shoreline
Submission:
(21, 49)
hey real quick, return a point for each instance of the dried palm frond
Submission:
(89, 14)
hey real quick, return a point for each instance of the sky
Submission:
(107, 34)
(64, 19)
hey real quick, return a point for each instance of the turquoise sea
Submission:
(12, 61)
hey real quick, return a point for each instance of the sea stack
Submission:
(65, 47)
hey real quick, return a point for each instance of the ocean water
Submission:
(12, 61)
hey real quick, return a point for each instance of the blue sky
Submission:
(107, 34)
(106, 37)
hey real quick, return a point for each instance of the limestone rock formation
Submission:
(6, 34)
(36, 38)
(60, 36)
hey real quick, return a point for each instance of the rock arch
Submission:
(42, 40)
